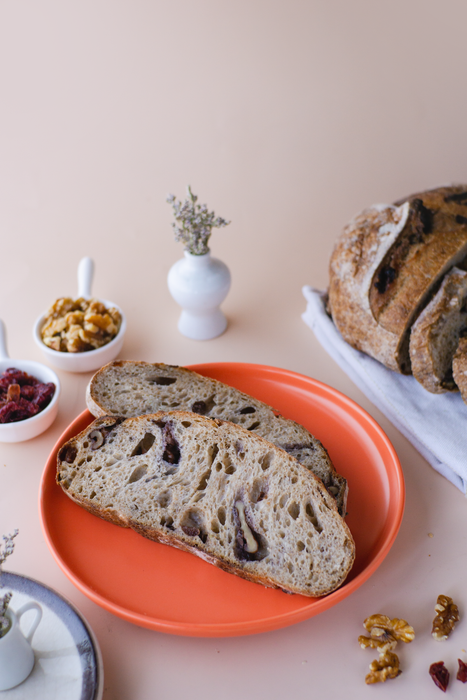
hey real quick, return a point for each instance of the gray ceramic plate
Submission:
(68, 660)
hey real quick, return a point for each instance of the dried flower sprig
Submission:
(194, 223)
(5, 552)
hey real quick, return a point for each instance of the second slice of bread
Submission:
(435, 334)
(213, 489)
(127, 388)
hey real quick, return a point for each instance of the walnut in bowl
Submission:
(81, 335)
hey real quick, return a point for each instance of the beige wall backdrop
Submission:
(285, 117)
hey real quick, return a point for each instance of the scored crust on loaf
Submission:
(127, 388)
(387, 264)
(435, 334)
(214, 489)
(354, 261)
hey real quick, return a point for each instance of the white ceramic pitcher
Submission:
(16, 654)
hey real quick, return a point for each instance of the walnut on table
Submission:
(384, 668)
(447, 615)
(385, 633)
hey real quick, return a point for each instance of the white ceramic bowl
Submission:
(90, 360)
(28, 428)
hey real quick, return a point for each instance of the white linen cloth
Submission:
(436, 424)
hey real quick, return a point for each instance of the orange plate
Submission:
(171, 591)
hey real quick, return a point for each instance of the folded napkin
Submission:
(436, 424)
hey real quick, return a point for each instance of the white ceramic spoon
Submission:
(29, 427)
(90, 360)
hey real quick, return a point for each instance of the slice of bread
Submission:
(214, 489)
(126, 388)
(459, 367)
(435, 334)
(387, 264)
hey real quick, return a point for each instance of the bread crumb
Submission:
(304, 662)
(430, 534)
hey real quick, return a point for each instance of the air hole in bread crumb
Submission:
(204, 480)
(138, 473)
(162, 381)
(93, 494)
(144, 445)
(283, 500)
(221, 515)
(229, 466)
(294, 510)
(192, 524)
(254, 425)
(97, 469)
(310, 514)
(167, 522)
(290, 567)
(81, 462)
(259, 490)
(164, 498)
(294, 480)
(186, 423)
(213, 451)
(89, 458)
(215, 527)
(86, 444)
(300, 546)
(266, 461)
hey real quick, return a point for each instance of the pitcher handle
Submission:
(32, 605)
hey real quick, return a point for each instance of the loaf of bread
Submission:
(214, 489)
(125, 388)
(387, 267)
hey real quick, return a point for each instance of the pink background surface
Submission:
(287, 118)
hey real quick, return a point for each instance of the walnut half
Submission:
(385, 633)
(384, 668)
(447, 615)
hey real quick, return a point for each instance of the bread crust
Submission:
(91, 483)
(355, 258)
(386, 265)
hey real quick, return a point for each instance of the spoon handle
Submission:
(85, 277)
(3, 351)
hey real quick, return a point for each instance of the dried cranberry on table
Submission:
(462, 672)
(440, 675)
(22, 395)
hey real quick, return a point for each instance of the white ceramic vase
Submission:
(199, 284)
(16, 654)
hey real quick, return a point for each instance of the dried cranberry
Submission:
(43, 394)
(440, 675)
(27, 392)
(462, 671)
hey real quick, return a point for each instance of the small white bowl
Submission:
(22, 430)
(90, 360)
